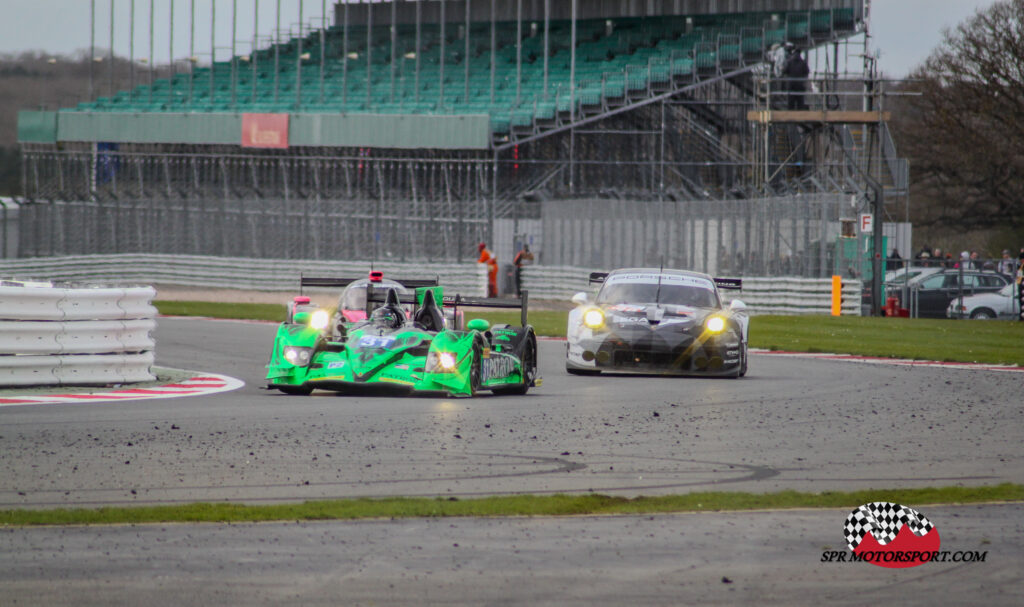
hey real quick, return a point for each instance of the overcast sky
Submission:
(905, 31)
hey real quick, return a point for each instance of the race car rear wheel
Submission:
(295, 390)
(529, 372)
(474, 370)
(983, 314)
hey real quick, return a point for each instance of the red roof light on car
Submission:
(376, 276)
(301, 299)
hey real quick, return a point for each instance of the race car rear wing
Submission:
(735, 284)
(454, 301)
(322, 281)
(380, 296)
(721, 283)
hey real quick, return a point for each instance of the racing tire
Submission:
(529, 370)
(572, 371)
(742, 369)
(295, 390)
(475, 374)
(983, 314)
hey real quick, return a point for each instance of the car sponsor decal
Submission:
(376, 341)
(652, 278)
(338, 364)
(626, 308)
(497, 366)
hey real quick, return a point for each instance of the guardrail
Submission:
(775, 295)
(75, 336)
(470, 279)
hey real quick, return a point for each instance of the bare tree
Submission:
(964, 134)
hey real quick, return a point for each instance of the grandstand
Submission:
(423, 70)
(413, 129)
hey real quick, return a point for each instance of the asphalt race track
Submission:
(810, 425)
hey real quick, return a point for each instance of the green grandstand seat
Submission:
(639, 54)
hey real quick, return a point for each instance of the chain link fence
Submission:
(306, 207)
(785, 236)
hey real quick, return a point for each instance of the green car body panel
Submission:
(405, 359)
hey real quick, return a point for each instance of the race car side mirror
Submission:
(737, 305)
(580, 299)
(478, 324)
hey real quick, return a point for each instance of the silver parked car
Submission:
(1002, 304)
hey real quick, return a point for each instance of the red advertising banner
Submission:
(265, 131)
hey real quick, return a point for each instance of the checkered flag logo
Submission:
(883, 520)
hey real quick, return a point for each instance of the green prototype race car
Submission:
(393, 353)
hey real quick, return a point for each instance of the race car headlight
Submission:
(593, 318)
(298, 356)
(320, 320)
(715, 324)
(440, 362)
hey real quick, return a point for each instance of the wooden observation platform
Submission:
(826, 116)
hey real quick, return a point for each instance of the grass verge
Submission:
(520, 505)
(993, 342)
(209, 309)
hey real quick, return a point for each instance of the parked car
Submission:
(908, 273)
(931, 294)
(1002, 304)
(895, 283)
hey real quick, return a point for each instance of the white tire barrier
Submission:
(468, 278)
(62, 336)
(771, 295)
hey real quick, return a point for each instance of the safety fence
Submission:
(780, 236)
(774, 295)
(470, 279)
(762, 295)
(75, 336)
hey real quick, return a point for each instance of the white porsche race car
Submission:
(657, 321)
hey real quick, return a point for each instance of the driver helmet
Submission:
(385, 317)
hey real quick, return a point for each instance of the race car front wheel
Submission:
(742, 369)
(295, 390)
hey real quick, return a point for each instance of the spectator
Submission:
(777, 56)
(949, 261)
(964, 262)
(523, 258)
(1006, 264)
(975, 262)
(796, 73)
(492, 269)
(895, 261)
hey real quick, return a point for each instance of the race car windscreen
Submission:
(649, 293)
(354, 297)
